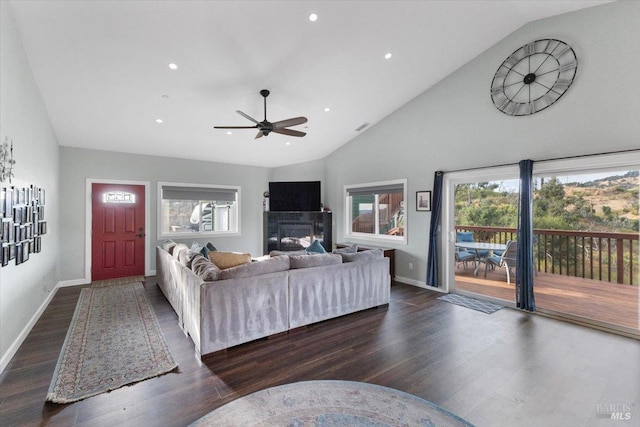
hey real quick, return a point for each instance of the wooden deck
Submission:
(591, 299)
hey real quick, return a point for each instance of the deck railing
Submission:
(611, 257)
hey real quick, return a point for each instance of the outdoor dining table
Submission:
(480, 246)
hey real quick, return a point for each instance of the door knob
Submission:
(141, 235)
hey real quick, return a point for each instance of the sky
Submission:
(512, 185)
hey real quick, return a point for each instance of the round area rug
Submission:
(330, 403)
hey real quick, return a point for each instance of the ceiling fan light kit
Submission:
(265, 127)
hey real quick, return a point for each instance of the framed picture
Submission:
(423, 201)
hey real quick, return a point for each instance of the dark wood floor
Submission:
(505, 369)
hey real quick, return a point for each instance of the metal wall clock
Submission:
(534, 77)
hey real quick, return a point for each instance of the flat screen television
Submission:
(294, 196)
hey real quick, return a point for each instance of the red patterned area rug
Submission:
(118, 281)
(330, 403)
(114, 339)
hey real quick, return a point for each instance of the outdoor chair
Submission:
(463, 256)
(467, 236)
(506, 260)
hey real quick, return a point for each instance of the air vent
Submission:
(362, 126)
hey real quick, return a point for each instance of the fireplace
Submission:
(293, 231)
(294, 236)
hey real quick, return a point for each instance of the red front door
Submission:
(118, 230)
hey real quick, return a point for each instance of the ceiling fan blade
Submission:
(247, 117)
(290, 122)
(235, 127)
(289, 132)
(259, 135)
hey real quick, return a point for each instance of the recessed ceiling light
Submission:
(287, 143)
(173, 66)
(229, 132)
(159, 120)
(326, 110)
(388, 55)
(313, 17)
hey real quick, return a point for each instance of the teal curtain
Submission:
(436, 203)
(524, 259)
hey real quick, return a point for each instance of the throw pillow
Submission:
(168, 245)
(179, 248)
(187, 257)
(197, 247)
(307, 261)
(211, 247)
(229, 259)
(351, 249)
(363, 256)
(316, 247)
(204, 268)
(271, 265)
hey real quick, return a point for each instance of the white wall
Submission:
(77, 165)
(25, 288)
(454, 125)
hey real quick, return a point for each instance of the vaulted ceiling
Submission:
(103, 68)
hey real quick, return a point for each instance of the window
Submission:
(188, 209)
(376, 211)
(118, 197)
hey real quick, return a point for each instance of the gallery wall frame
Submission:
(423, 201)
(23, 223)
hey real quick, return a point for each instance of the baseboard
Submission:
(419, 284)
(75, 282)
(13, 349)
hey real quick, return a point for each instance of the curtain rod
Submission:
(543, 160)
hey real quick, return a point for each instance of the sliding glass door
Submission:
(586, 225)
(481, 217)
(585, 237)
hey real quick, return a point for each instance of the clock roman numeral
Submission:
(562, 85)
(511, 108)
(529, 48)
(568, 67)
(563, 51)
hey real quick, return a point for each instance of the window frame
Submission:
(376, 238)
(196, 234)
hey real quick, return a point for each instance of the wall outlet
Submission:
(410, 266)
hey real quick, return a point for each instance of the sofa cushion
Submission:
(351, 249)
(229, 259)
(289, 253)
(272, 265)
(205, 269)
(363, 256)
(317, 247)
(306, 261)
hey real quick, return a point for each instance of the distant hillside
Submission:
(608, 204)
(616, 195)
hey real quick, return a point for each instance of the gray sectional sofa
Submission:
(219, 309)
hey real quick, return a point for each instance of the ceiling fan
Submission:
(265, 127)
